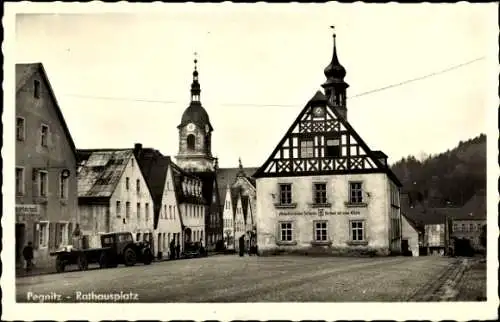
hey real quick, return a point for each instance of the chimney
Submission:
(137, 149)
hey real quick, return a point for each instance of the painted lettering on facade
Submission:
(25, 212)
(319, 212)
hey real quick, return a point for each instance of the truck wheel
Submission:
(129, 257)
(82, 262)
(147, 256)
(59, 264)
(103, 261)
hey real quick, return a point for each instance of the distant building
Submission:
(195, 157)
(113, 195)
(322, 186)
(46, 184)
(410, 236)
(157, 171)
(236, 185)
(469, 223)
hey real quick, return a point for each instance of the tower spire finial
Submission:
(195, 86)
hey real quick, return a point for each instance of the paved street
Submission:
(254, 279)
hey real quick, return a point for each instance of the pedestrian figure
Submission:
(172, 249)
(242, 245)
(28, 256)
(177, 250)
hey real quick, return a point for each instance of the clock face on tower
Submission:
(190, 127)
(318, 111)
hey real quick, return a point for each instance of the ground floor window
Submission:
(43, 234)
(357, 230)
(286, 231)
(320, 231)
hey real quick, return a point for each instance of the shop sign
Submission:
(26, 211)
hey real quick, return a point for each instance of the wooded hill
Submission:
(447, 179)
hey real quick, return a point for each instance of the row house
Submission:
(112, 196)
(237, 187)
(167, 221)
(45, 168)
(192, 205)
(323, 186)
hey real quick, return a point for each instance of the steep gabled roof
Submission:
(378, 166)
(100, 171)
(227, 176)
(24, 72)
(154, 168)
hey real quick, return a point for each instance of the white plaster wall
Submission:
(228, 218)
(375, 214)
(134, 224)
(411, 235)
(169, 221)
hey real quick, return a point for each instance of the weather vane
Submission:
(333, 28)
(195, 59)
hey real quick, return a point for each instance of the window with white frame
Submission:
(285, 193)
(63, 186)
(44, 135)
(138, 211)
(455, 227)
(286, 231)
(118, 209)
(43, 183)
(357, 230)
(43, 234)
(61, 234)
(19, 180)
(320, 231)
(20, 128)
(471, 227)
(355, 192)
(307, 148)
(320, 193)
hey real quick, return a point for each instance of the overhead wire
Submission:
(408, 81)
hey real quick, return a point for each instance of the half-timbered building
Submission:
(323, 186)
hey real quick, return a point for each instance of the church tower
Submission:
(335, 86)
(195, 133)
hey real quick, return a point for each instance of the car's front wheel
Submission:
(130, 258)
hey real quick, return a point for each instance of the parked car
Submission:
(116, 248)
(192, 250)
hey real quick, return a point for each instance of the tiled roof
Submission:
(99, 171)
(24, 72)
(475, 208)
(154, 168)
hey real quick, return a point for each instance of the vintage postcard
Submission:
(250, 161)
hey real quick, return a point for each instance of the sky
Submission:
(123, 78)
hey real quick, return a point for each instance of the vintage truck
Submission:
(116, 248)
